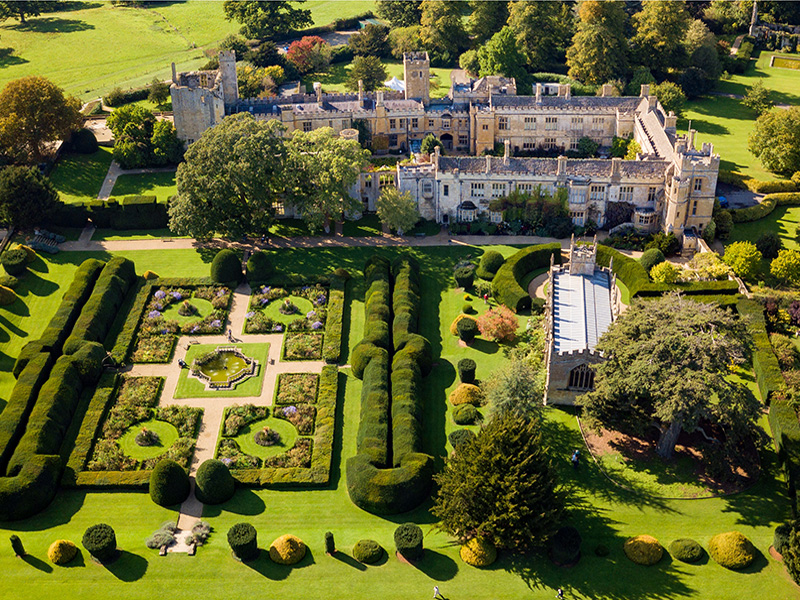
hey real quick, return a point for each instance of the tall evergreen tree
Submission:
(27, 197)
(543, 29)
(486, 19)
(599, 50)
(442, 33)
(661, 27)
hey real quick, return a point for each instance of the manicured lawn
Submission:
(191, 387)
(203, 307)
(304, 306)
(166, 432)
(334, 80)
(784, 221)
(161, 185)
(248, 444)
(79, 177)
(365, 226)
(105, 235)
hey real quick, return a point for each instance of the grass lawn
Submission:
(79, 177)
(365, 226)
(304, 306)
(204, 308)
(191, 387)
(334, 80)
(161, 185)
(784, 221)
(248, 444)
(166, 432)
(603, 513)
(105, 235)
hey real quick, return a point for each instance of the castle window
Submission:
(392, 123)
(496, 216)
(402, 123)
(549, 143)
(393, 139)
(529, 145)
(498, 190)
(577, 123)
(573, 144)
(476, 190)
(445, 190)
(525, 187)
(414, 123)
(698, 184)
(626, 193)
(694, 208)
(485, 127)
(431, 123)
(577, 217)
(502, 123)
(307, 126)
(551, 123)
(280, 210)
(445, 123)
(651, 194)
(581, 378)
(597, 192)
(386, 180)
(368, 181)
(427, 188)
(463, 139)
(530, 122)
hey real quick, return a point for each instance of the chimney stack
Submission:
(671, 123)
(644, 90)
(538, 93)
(379, 98)
(506, 151)
(652, 102)
(615, 163)
(562, 166)
(690, 139)
(488, 163)
(174, 74)
(490, 95)
(567, 91)
(607, 90)
(318, 92)
(360, 93)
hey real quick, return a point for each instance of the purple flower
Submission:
(160, 294)
(264, 301)
(164, 332)
(216, 323)
(321, 299)
(290, 410)
(194, 329)
(227, 461)
(264, 289)
(177, 295)
(310, 314)
(316, 325)
(278, 328)
(153, 314)
(221, 292)
(250, 315)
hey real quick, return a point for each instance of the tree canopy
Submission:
(661, 27)
(33, 113)
(599, 50)
(399, 14)
(21, 9)
(757, 98)
(775, 140)
(501, 486)
(367, 69)
(373, 40)
(27, 198)
(266, 20)
(501, 56)
(667, 362)
(743, 258)
(397, 211)
(542, 29)
(442, 32)
(487, 18)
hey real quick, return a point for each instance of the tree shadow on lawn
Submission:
(338, 426)
(345, 558)
(127, 567)
(437, 566)
(78, 561)
(9, 59)
(51, 25)
(263, 565)
(13, 328)
(33, 285)
(244, 502)
(765, 504)
(37, 563)
(61, 510)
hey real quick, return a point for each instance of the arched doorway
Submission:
(447, 141)
(581, 378)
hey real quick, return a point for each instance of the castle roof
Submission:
(593, 167)
(623, 103)
(581, 310)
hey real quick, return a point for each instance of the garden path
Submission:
(214, 408)
(114, 171)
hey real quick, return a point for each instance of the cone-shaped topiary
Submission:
(643, 550)
(243, 540)
(466, 393)
(61, 552)
(259, 267)
(466, 370)
(330, 544)
(214, 483)
(478, 552)
(367, 551)
(100, 541)
(169, 483)
(731, 550)
(226, 267)
(408, 541)
(686, 550)
(287, 550)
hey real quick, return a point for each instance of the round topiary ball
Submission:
(650, 258)
(259, 267)
(100, 541)
(169, 483)
(459, 437)
(466, 370)
(30, 253)
(466, 393)
(477, 552)
(7, 296)
(287, 550)
(14, 261)
(686, 550)
(214, 483)
(565, 546)
(465, 414)
(9, 281)
(467, 329)
(643, 550)
(491, 261)
(367, 551)
(61, 552)
(731, 550)
(408, 541)
(243, 541)
(226, 267)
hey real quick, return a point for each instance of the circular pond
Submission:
(203, 309)
(167, 434)
(223, 367)
(247, 442)
(272, 309)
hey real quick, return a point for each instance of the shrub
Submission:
(226, 267)
(781, 537)
(83, 141)
(243, 541)
(408, 541)
(330, 544)
(686, 550)
(30, 253)
(665, 272)
(467, 329)
(466, 370)
(465, 414)
(506, 286)
(643, 550)
(743, 258)
(650, 258)
(7, 296)
(214, 483)
(464, 276)
(9, 281)
(468, 309)
(169, 483)
(287, 550)
(100, 541)
(16, 545)
(565, 546)
(491, 261)
(466, 393)
(478, 552)
(14, 261)
(769, 244)
(731, 550)
(149, 275)
(537, 306)
(498, 324)
(367, 551)
(61, 552)
(459, 437)
(259, 267)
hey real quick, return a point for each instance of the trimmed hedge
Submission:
(491, 261)
(332, 345)
(377, 311)
(287, 550)
(129, 212)
(100, 541)
(786, 434)
(686, 550)
(14, 261)
(506, 285)
(169, 483)
(643, 550)
(765, 207)
(408, 541)
(466, 370)
(214, 483)
(258, 268)
(127, 335)
(478, 552)
(243, 540)
(765, 364)
(731, 550)
(466, 393)
(226, 267)
(465, 414)
(31, 489)
(367, 551)
(61, 552)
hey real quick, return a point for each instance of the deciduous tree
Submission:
(399, 14)
(487, 18)
(33, 113)
(21, 9)
(670, 95)
(599, 49)
(757, 98)
(775, 140)
(786, 266)
(498, 324)
(405, 39)
(27, 197)
(266, 20)
(661, 27)
(542, 29)
(368, 69)
(159, 92)
(442, 32)
(743, 258)
(373, 40)
(310, 54)
(397, 211)
(667, 363)
(501, 56)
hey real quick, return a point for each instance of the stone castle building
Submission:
(670, 187)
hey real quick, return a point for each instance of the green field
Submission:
(79, 177)
(96, 47)
(161, 185)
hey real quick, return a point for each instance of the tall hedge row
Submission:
(101, 309)
(765, 207)
(390, 474)
(130, 212)
(506, 285)
(332, 349)
(786, 433)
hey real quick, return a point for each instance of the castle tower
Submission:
(230, 84)
(417, 75)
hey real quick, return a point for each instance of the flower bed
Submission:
(301, 345)
(277, 309)
(301, 416)
(294, 388)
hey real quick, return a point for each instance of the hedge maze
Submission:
(390, 474)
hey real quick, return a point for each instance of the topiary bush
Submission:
(30, 253)
(408, 541)
(9, 281)
(464, 275)
(214, 483)
(16, 545)
(565, 546)
(259, 267)
(601, 550)
(491, 261)
(643, 550)
(367, 551)
(287, 550)
(466, 370)
(466, 393)
(243, 541)
(731, 550)
(459, 437)
(478, 552)
(467, 309)
(330, 543)
(467, 330)
(14, 261)
(61, 552)
(686, 550)
(650, 258)
(7, 296)
(226, 267)
(769, 244)
(83, 141)
(169, 483)
(465, 414)
(781, 537)
(100, 541)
